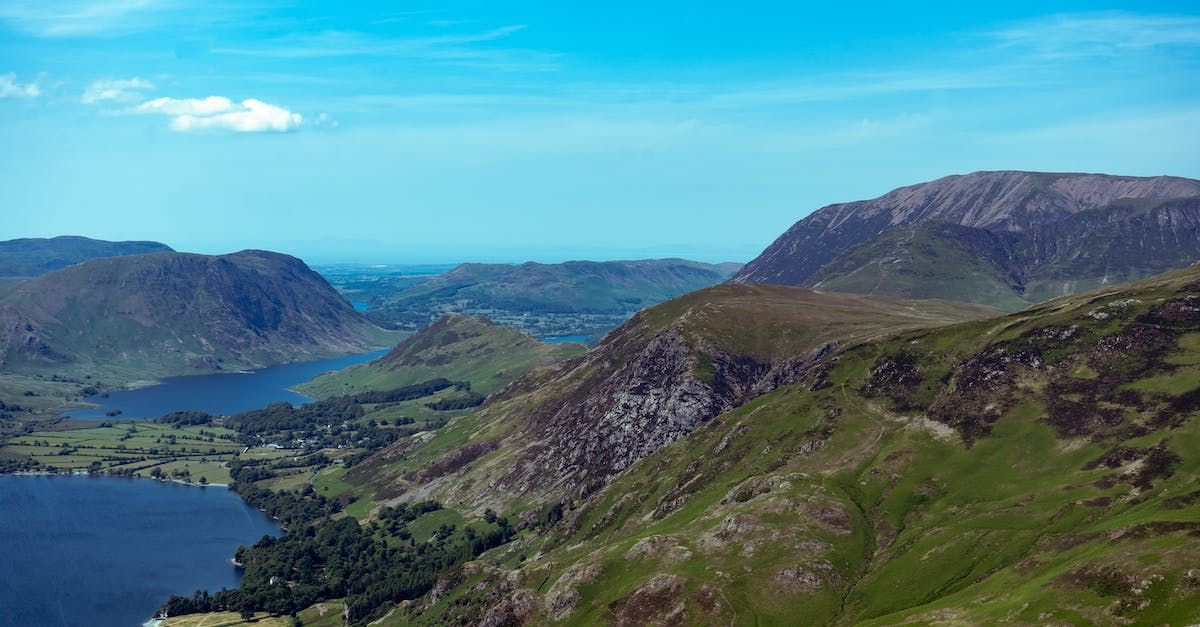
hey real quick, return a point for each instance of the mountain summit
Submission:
(1025, 236)
(158, 314)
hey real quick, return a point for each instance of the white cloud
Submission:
(115, 89)
(10, 88)
(217, 113)
(211, 105)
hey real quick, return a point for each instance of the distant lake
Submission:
(221, 393)
(106, 551)
(559, 339)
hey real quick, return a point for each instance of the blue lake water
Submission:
(222, 393)
(106, 551)
(559, 339)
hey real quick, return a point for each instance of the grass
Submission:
(135, 446)
(459, 348)
(896, 521)
(326, 614)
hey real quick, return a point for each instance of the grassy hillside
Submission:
(118, 320)
(1035, 468)
(572, 298)
(570, 428)
(931, 260)
(36, 256)
(457, 347)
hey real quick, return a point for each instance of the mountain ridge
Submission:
(571, 298)
(1001, 202)
(171, 313)
(28, 257)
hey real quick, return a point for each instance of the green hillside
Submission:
(930, 260)
(457, 347)
(114, 321)
(1035, 468)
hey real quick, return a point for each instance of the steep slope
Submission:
(35, 256)
(931, 260)
(572, 298)
(147, 316)
(457, 347)
(1037, 468)
(1122, 241)
(568, 430)
(999, 202)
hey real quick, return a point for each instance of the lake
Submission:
(559, 339)
(221, 393)
(106, 551)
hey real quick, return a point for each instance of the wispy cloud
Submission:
(124, 89)
(461, 48)
(65, 18)
(10, 88)
(217, 113)
(1091, 34)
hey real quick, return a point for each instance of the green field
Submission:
(327, 614)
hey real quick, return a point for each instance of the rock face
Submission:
(647, 397)
(35, 256)
(1029, 227)
(166, 313)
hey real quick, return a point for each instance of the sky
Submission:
(406, 132)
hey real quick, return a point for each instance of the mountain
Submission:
(570, 428)
(159, 314)
(572, 298)
(35, 256)
(1002, 238)
(1035, 468)
(459, 348)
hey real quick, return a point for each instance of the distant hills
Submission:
(572, 298)
(1007, 239)
(158, 314)
(458, 347)
(35, 256)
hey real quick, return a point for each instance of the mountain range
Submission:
(1008, 239)
(817, 441)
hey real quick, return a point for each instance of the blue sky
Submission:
(405, 132)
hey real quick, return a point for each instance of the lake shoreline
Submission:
(210, 392)
(78, 473)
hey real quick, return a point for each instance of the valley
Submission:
(737, 451)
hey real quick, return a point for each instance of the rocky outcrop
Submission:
(655, 394)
